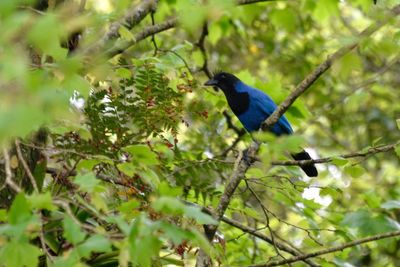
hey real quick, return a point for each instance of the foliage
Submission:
(126, 150)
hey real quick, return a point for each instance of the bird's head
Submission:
(223, 80)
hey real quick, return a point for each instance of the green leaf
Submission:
(125, 33)
(325, 9)
(127, 168)
(391, 204)
(3, 215)
(215, 33)
(164, 189)
(142, 154)
(72, 231)
(75, 82)
(20, 210)
(143, 244)
(347, 65)
(42, 201)
(94, 244)
(124, 73)
(284, 18)
(150, 177)
(169, 205)
(397, 150)
(369, 224)
(87, 182)
(199, 216)
(129, 208)
(354, 171)
(17, 253)
(338, 161)
(372, 199)
(45, 34)
(87, 164)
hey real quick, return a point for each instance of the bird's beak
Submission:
(211, 82)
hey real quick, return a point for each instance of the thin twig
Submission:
(26, 167)
(201, 45)
(265, 211)
(43, 241)
(153, 36)
(256, 233)
(148, 31)
(9, 181)
(329, 250)
(132, 17)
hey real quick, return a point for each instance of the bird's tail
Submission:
(309, 169)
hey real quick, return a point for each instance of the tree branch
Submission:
(329, 250)
(9, 181)
(26, 167)
(131, 18)
(248, 2)
(148, 31)
(363, 153)
(267, 239)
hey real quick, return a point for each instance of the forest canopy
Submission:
(114, 153)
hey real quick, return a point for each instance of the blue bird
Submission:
(252, 107)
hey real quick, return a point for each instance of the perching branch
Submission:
(364, 153)
(330, 250)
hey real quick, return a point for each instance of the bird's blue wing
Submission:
(260, 108)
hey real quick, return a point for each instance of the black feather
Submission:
(309, 169)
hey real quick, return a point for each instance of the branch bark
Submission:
(369, 151)
(267, 239)
(131, 18)
(249, 2)
(148, 31)
(329, 250)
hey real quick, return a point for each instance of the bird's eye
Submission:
(223, 76)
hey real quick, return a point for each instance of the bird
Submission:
(252, 107)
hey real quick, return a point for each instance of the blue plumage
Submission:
(261, 106)
(253, 107)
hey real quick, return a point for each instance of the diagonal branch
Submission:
(148, 31)
(9, 179)
(131, 18)
(26, 167)
(330, 250)
(267, 239)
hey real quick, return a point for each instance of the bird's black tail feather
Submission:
(309, 169)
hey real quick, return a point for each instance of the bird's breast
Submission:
(238, 102)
